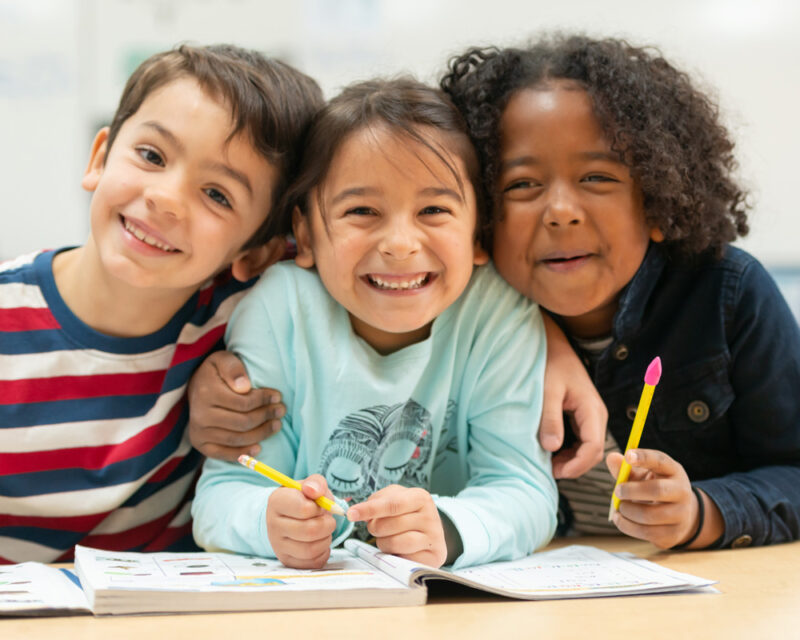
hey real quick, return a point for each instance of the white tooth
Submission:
(138, 233)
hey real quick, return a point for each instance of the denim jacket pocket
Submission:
(693, 397)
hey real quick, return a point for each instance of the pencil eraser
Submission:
(653, 373)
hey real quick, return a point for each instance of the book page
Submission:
(398, 568)
(215, 572)
(32, 587)
(576, 571)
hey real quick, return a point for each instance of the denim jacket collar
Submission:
(634, 297)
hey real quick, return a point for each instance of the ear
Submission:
(656, 235)
(97, 160)
(251, 263)
(480, 255)
(302, 236)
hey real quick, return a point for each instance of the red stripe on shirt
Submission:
(166, 469)
(169, 537)
(79, 387)
(66, 523)
(91, 457)
(27, 319)
(200, 348)
(131, 538)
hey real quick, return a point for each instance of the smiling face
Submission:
(571, 231)
(174, 200)
(394, 241)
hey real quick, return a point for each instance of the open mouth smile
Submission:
(147, 238)
(399, 283)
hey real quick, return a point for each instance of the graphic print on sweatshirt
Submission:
(375, 447)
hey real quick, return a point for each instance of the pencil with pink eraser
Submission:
(651, 378)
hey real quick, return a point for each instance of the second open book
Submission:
(357, 576)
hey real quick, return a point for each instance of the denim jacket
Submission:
(728, 403)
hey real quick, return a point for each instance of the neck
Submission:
(108, 305)
(595, 324)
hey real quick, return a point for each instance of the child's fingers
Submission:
(659, 514)
(389, 502)
(315, 530)
(303, 557)
(405, 544)
(315, 486)
(614, 462)
(657, 489)
(663, 537)
(231, 370)
(286, 502)
(589, 424)
(656, 461)
(551, 426)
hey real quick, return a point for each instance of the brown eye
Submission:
(150, 156)
(217, 196)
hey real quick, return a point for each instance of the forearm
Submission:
(763, 504)
(503, 520)
(229, 511)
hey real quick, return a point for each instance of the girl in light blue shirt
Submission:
(411, 372)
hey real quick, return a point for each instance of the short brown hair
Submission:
(271, 102)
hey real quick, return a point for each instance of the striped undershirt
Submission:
(589, 496)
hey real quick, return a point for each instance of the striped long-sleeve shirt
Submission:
(93, 448)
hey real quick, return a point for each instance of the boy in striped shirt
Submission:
(98, 342)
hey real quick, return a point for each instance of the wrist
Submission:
(710, 524)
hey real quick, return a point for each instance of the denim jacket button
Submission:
(698, 411)
(742, 541)
(621, 352)
(630, 412)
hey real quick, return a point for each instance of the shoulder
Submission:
(490, 308)
(9, 269)
(21, 281)
(488, 295)
(287, 282)
(283, 293)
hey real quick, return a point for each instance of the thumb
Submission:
(314, 486)
(551, 428)
(232, 372)
(614, 462)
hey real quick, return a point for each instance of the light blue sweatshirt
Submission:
(456, 414)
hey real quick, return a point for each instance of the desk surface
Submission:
(759, 598)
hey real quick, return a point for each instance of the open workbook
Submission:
(357, 576)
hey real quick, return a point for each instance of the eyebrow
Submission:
(214, 166)
(371, 191)
(608, 156)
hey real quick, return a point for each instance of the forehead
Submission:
(376, 151)
(560, 112)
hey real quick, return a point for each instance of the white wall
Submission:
(63, 64)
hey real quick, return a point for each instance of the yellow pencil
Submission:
(286, 481)
(651, 378)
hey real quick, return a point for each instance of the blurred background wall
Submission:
(63, 64)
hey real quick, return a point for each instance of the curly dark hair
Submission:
(665, 129)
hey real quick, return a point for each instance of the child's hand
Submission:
(226, 416)
(405, 522)
(657, 502)
(299, 530)
(568, 387)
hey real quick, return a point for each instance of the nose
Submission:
(399, 239)
(562, 207)
(166, 194)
